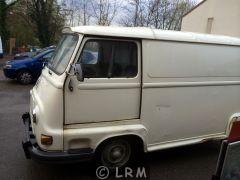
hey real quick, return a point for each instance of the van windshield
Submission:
(63, 53)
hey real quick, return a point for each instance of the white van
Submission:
(110, 91)
(1, 48)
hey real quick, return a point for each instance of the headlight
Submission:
(7, 66)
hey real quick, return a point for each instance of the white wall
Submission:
(226, 14)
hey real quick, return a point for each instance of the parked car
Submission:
(32, 53)
(27, 70)
(24, 55)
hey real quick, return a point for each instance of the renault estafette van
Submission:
(108, 92)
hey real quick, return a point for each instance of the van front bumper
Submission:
(33, 151)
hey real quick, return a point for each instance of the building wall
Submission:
(214, 17)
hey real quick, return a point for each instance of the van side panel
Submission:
(189, 91)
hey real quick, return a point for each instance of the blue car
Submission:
(27, 70)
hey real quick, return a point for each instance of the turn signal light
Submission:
(46, 140)
(235, 132)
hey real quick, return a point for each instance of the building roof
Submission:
(195, 7)
(155, 34)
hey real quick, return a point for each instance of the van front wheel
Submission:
(115, 153)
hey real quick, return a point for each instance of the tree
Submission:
(104, 11)
(4, 10)
(77, 12)
(47, 20)
(84, 15)
(160, 14)
(20, 26)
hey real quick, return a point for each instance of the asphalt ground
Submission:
(195, 162)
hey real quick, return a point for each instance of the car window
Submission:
(89, 57)
(47, 56)
(109, 59)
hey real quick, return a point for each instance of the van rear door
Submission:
(111, 89)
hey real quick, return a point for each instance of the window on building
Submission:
(209, 25)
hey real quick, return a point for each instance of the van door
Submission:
(111, 89)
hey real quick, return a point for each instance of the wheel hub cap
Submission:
(116, 153)
(26, 77)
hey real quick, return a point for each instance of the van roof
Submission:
(149, 33)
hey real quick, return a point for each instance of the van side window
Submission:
(109, 59)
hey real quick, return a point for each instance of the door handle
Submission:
(70, 86)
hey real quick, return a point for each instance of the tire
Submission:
(115, 153)
(24, 77)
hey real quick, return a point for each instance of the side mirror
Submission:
(79, 73)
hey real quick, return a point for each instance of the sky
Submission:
(116, 19)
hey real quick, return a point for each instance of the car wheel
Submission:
(115, 153)
(24, 77)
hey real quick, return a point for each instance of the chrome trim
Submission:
(190, 84)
